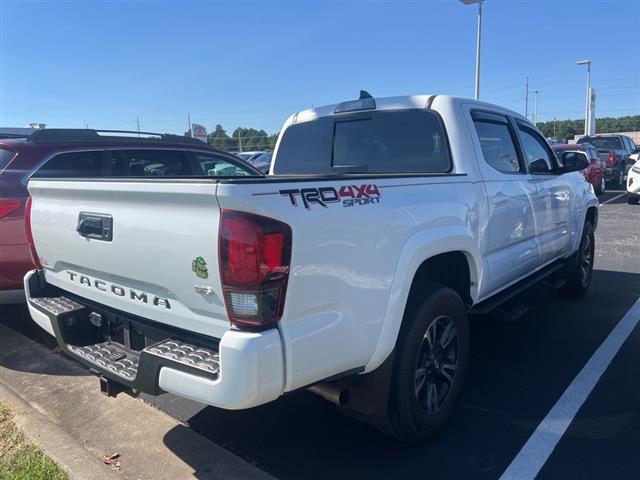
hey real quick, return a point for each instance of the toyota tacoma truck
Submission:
(351, 270)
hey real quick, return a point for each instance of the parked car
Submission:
(633, 184)
(249, 156)
(615, 150)
(351, 271)
(595, 172)
(263, 162)
(86, 153)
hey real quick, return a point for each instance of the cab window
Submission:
(538, 156)
(215, 166)
(497, 142)
(73, 165)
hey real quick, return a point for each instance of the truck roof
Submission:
(399, 103)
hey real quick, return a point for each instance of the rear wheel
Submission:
(431, 360)
(579, 267)
(601, 187)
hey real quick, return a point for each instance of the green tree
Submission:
(567, 129)
(219, 138)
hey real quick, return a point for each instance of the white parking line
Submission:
(531, 458)
(613, 198)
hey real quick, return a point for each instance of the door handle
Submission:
(499, 200)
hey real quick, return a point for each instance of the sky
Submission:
(104, 64)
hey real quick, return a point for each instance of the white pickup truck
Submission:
(351, 270)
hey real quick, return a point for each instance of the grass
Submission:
(20, 459)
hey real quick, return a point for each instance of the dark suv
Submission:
(615, 150)
(89, 153)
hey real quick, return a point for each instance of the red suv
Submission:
(89, 153)
(595, 172)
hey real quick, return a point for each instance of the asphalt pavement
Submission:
(519, 370)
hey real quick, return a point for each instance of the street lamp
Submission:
(535, 107)
(587, 111)
(479, 2)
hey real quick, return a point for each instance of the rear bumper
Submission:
(243, 369)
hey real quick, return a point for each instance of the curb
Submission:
(60, 446)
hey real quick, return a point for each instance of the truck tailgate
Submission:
(146, 247)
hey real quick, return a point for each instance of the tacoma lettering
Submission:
(119, 291)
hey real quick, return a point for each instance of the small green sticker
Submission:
(199, 266)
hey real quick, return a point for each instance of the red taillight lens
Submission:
(254, 259)
(612, 158)
(9, 205)
(27, 225)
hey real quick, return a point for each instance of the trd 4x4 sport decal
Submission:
(348, 195)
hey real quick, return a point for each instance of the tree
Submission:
(567, 129)
(219, 138)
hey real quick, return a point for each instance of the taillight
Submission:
(612, 158)
(254, 258)
(27, 225)
(9, 205)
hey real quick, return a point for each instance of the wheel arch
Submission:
(450, 257)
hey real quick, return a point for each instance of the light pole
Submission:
(535, 106)
(479, 2)
(587, 111)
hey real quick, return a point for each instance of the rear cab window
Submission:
(378, 142)
(603, 143)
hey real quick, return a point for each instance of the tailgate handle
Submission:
(98, 226)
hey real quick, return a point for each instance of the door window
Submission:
(498, 148)
(537, 154)
(215, 166)
(73, 165)
(150, 163)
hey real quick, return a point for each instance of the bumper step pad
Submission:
(57, 305)
(190, 355)
(110, 357)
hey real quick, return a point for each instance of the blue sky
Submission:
(252, 63)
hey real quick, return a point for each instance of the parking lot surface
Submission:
(519, 371)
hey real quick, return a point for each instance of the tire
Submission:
(414, 413)
(579, 267)
(633, 199)
(601, 187)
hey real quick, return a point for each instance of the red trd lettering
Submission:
(361, 191)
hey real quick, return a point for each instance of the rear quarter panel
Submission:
(344, 267)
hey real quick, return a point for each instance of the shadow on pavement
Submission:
(15, 325)
(518, 372)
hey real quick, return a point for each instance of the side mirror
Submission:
(574, 161)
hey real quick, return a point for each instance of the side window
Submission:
(537, 155)
(215, 166)
(631, 146)
(497, 145)
(150, 163)
(74, 164)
